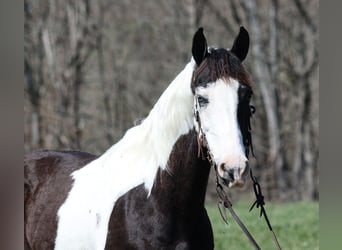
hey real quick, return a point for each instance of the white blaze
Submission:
(219, 122)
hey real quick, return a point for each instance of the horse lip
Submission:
(232, 183)
(236, 183)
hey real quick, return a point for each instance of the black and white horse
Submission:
(147, 191)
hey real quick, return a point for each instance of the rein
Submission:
(224, 202)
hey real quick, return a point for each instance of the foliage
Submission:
(295, 224)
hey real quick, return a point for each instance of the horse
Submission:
(147, 191)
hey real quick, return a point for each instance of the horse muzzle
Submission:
(233, 176)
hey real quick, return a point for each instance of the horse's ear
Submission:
(199, 46)
(241, 44)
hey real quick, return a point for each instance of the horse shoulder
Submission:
(47, 180)
(41, 166)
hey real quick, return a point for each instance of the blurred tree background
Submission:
(95, 68)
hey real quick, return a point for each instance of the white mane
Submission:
(134, 160)
(147, 146)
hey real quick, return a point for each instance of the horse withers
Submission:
(147, 191)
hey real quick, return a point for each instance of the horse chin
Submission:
(233, 184)
(237, 184)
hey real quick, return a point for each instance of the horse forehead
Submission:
(219, 88)
(216, 50)
(219, 64)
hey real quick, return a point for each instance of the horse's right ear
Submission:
(199, 46)
(241, 44)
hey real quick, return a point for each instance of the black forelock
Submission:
(220, 64)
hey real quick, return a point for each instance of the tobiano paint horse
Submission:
(147, 191)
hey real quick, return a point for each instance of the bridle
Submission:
(224, 202)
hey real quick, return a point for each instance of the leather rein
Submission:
(224, 202)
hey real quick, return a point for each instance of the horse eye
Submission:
(202, 101)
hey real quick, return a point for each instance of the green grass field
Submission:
(295, 224)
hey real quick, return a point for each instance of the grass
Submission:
(295, 224)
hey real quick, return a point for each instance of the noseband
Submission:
(224, 201)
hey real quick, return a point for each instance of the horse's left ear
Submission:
(199, 46)
(241, 44)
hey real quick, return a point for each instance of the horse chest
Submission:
(84, 216)
(147, 224)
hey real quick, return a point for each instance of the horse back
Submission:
(48, 180)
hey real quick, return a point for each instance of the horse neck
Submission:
(183, 184)
(151, 141)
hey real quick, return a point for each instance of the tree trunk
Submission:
(76, 107)
(106, 94)
(266, 84)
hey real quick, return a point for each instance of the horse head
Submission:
(221, 87)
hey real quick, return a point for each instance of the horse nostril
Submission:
(222, 167)
(227, 173)
(231, 174)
